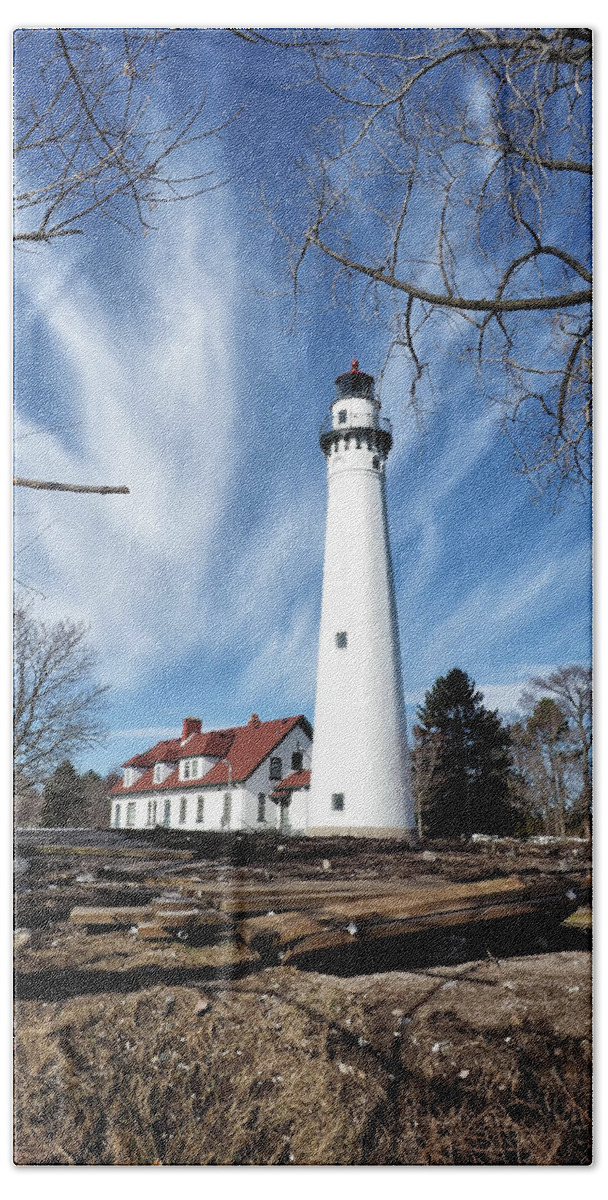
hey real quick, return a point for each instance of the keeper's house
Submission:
(251, 777)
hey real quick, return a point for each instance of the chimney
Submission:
(191, 725)
(254, 720)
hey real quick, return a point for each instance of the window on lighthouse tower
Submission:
(342, 417)
(341, 640)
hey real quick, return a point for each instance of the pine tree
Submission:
(64, 802)
(467, 789)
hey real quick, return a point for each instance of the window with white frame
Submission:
(117, 816)
(131, 814)
(297, 760)
(261, 807)
(337, 801)
(149, 818)
(195, 770)
(200, 809)
(183, 804)
(276, 768)
(186, 768)
(158, 773)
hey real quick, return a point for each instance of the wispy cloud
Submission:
(157, 409)
(153, 731)
(502, 607)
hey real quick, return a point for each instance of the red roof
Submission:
(299, 779)
(210, 745)
(244, 746)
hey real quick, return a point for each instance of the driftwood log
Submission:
(295, 919)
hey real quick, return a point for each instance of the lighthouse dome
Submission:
(355, 383)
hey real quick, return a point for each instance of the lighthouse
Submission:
(360, 783)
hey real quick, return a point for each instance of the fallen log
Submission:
(277, 929)
(151, 931)
(240, 896)
(320, 920)
(337, 938)
(353, 898)
(409, 902)
(111, 915)
(151, 852)
(340, 924)
(171, 916)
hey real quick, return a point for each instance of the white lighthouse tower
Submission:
(360, 782)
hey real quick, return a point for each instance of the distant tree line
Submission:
(67, 800)
(473, 773)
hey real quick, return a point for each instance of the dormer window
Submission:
(190, 768)
(158, 773)
(128, 777)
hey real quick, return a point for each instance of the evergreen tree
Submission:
(96, 806)
(64, 802)
(467, 789)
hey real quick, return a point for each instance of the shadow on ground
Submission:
(494, 940)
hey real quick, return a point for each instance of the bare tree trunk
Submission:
(559, 823)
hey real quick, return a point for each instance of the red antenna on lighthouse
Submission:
(354, 366)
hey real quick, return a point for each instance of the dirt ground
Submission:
(471, 1048)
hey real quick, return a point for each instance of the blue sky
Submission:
(171, 364)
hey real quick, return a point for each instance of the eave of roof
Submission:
(298, 779)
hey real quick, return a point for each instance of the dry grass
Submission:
(132, 1052)
(475, 1064)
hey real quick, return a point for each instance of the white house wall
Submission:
(260, 782)
(298, 811)
(213, 809)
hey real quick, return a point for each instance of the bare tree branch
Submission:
(101, 490)
(85, 140)
(452, 177)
